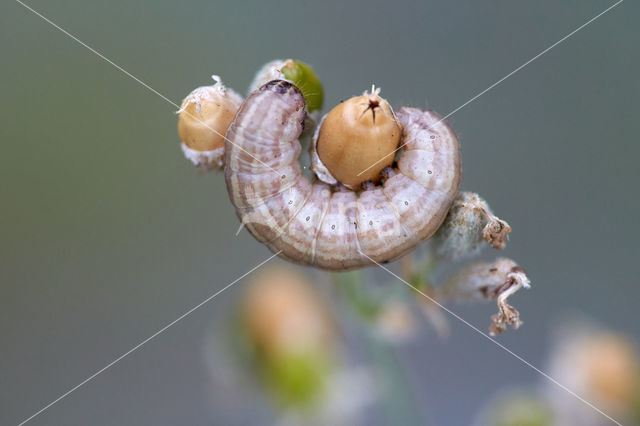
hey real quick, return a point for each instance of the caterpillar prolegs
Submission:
(314, 224)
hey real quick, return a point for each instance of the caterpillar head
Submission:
(296, 72)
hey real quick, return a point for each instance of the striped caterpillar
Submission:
(315, 224)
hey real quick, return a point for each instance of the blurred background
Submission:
(108, 233)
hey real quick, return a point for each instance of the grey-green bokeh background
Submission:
(107, 233)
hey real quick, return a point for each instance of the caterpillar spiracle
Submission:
(311, 223)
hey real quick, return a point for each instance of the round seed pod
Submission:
(355, 141)
(287, 323)
(284, 314)
(603, 366)
(203, 119)
(612, 369)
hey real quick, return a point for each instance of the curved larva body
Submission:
(308, 222)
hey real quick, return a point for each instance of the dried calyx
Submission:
(489, 281)
(469, 222)
(355, 141)
(204, 117)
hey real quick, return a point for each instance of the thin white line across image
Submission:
(143, 342)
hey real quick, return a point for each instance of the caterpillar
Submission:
(313, 223)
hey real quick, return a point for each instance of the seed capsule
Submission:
(287, 322)
(204, 117)
(356, 140)
(602, 365)
(284, 315)
(612, 369)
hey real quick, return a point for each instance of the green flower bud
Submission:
(303, 76)
(296, 72)
(518, 408)
(297, 379)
